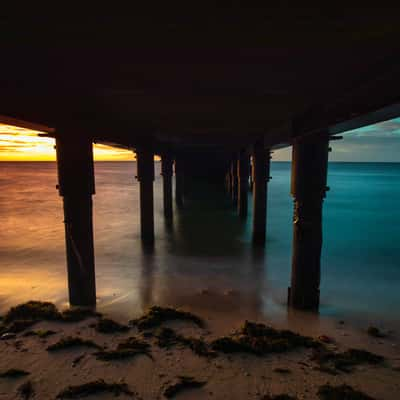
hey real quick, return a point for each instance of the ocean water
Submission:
(206, 262)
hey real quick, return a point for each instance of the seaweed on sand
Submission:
(156, 315)
(345, 361)
(278, 397)
(112, 355)
(133, 343)
(17, 326)
(13, 373)
(167, 337)
(260, 339)
(32, 311)
(375, 332)
(26, 390)
(40, 333)
(342, 392)
(70, 342)
(76, 314)
(184, 382)
(130, 347)
(94, 388)
(105, 325)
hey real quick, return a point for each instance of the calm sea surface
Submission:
(206, 262)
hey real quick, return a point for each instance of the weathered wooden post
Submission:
(166, 172)
(308, 188)
(145, 176)
(179, 181)
(261, 169)
(243, 179)
(76, 186)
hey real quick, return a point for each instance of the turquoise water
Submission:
(206, 262)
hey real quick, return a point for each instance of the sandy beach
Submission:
(237, 375)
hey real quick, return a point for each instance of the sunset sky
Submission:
(380, 143)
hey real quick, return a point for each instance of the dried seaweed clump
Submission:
(260, 339)
(32, 311)
(184, 383)
(76, 314)
(130, 347)
(40, 333)
(133, 343)
(13, 373)
(278, 397)
(375, 332)
(26, 390)
(94, 388)
(345, 361)
(156, 315)
(105, 325)
(167, 337)
(70, 342)
(342, 392)
(16, 326)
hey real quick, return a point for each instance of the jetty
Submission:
(212, 92)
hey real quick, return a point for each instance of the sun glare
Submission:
(21, 144)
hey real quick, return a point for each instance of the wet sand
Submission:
(227, 376)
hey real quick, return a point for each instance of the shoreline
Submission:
(226, 376)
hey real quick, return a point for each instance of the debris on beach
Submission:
(13, 373)
(8, 336)
(133, 343)
(105, 325)
(23, 316)
(40, 333)
(156, 316)
(112, 355)
(76, 314)
(342, 392)
(94, 388)
(260, 339)
(26, 390)
(78, 359)
(71, 341)
(130, 347)
(325, 339)
(32, 311)
(278, 397)
(375, 332)
(331, 361)
(283, 371)
(167, 337)
(184, 383)
(17, 326)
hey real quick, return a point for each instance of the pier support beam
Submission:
(179, 181)
(261, 168)
(243, 180)
(250, 175)
(308, 188)
(166, 172)
(234, 181)
(145, 176)
(76, 186)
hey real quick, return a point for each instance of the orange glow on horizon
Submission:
(21, 144)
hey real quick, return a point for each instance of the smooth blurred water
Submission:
(206, 261)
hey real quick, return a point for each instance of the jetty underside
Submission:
(210, 91)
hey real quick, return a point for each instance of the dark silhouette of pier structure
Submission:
(210, 91)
